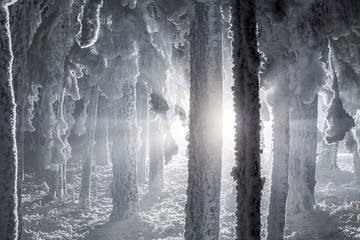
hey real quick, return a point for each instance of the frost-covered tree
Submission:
(92, 97)
(205, 130)
(124, 187)
(291, 40)
(306, 79)
(9, 184)
(247, 123)
(303, 140)
(352, 147)
(274, 43)
(46, 69)
(342, 63)
(327, 157)
(101, 148)
(142, 111)
(158, 109)
(338, 120)
(118, 84)
(156, 156)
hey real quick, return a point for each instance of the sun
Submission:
(228, 124)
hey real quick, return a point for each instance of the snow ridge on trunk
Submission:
(9, 218)
(247, 107)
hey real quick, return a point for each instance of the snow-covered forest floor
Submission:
(162, 216)
(337, 214)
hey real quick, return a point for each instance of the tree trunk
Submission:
(9, 184)
(303, 140)
(333, 155)
(91, 96)
(142, 122)
(102, 152)
(247, 107)
(124, 188)
(156, 166)
(355, 149)
(61, 182)
(205, 130)
(280, 172)
(356, 161)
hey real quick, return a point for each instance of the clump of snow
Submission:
(339, 122)
(158, 104)
(90, 23)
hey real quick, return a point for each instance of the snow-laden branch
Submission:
(338, 120)
(90, 23)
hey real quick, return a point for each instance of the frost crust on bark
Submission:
(124, 188)
(247, 124)
(205, 140)
(303, 132)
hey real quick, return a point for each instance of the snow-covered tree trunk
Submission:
(303, 140)
(62, 189)
(280, 171)
(205, 130)
(92, 96)
(356, 161)
(124, 187)
(169, 143)
(352, 146)
(247, 124)
(356, 151)
(9, 198)
(156, 157)
(333, 155)
(142, 122)
(101, 148)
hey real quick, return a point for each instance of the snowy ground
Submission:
(161, 216)
(336, 216)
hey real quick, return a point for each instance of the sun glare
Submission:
(228, 123)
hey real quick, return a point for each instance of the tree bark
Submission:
(156, 157)
(205, 130)
(102, 152)
(303, 140)
(124, 187)
(142, 112)
(356, 162)
(355, 149)
(92, 97)
(280, 172)
(247, 107)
